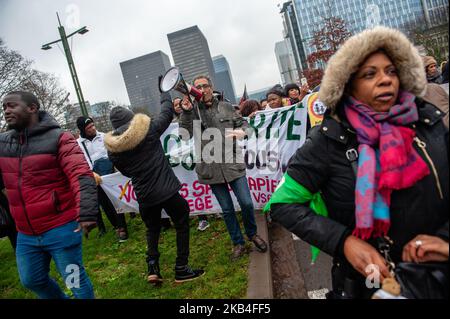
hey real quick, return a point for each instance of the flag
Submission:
(244, 96)
(290, 192)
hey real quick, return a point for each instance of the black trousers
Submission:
(116, 220)
(178, 210)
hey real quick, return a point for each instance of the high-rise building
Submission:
(301, 18)
(436, 12)
(286, 62)
(291, 32)
(190, 52)
(224, 79)
(141, 80)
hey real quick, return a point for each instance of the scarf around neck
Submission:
(387, 160)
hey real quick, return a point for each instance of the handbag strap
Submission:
(87, 152)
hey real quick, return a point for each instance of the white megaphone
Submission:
(173, 80)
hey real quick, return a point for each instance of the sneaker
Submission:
(238, 252)
(122, 234)
(259, 243)
(202, 225)
(154, 274)
(186, 273)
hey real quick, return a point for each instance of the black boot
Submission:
(185, 273)
(154, 274)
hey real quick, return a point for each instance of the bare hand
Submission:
(303, 91)
(239, 134)
(252, 115)
(426, 248)
(98, 178)
(86, 227)
(361, 255)
(186, 104)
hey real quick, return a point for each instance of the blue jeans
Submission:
(242, 192)
(34, 254)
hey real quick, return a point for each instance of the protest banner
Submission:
(277, 134)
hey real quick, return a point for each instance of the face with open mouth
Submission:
(376, 83)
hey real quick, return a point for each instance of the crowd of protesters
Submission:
(378, 163)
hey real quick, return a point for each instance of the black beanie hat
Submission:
(120, 116)
(289, 87)
(82, 122)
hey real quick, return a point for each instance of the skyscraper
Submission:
(301, 18)
(286, 62)
(141, 80)
(436, 12)
(224, 79)
(291, 32)
(190, 52)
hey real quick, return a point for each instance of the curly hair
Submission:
(248, 107)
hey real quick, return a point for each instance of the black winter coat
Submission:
(321, 165)
(137, 153)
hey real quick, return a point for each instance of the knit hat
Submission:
(289, 87)
(82, 122)
(120, 116)
(428, 60)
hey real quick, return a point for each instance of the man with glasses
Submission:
(226, 169)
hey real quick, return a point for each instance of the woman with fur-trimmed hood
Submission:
(379, 161)
(135, 149)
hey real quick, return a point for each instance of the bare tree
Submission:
(327, 40)
(16, 74)
(428, 38)
(52, 97)
(14, 70)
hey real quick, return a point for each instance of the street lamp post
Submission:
(68, 55)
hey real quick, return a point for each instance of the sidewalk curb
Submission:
(260, 284)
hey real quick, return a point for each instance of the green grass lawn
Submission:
(119, 271)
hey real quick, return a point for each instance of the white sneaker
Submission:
(202, 225)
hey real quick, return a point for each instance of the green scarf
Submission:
(291, 192)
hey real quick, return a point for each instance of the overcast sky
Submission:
(244, 31)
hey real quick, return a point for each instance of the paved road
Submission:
(318, 276)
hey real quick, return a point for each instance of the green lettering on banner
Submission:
(257, 127)
(269, 127)
(284, 115)
(290, 131)
(187, 166)
(165, 147)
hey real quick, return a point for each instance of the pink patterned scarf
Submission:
(387, 160)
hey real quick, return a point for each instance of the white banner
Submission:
(278, 133)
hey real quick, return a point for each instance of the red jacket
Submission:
(47, 179)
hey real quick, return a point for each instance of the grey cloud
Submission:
(244, 31)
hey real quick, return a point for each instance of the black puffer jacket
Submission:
(137, 153)
(321, 165)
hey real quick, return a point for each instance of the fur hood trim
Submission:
(132, 137)
(355, 50)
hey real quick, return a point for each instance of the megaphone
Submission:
(173, 80)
